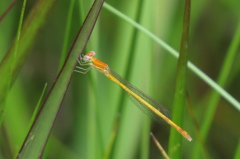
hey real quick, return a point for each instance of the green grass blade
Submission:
(180, 90)
(85, 111)
(237, 152)
(16, 119)
(128, 70)
(112, 140)
(60, 151)
(15, 51)
(222, 81)
(16, 47)
(37, 137)
(13, 62)
(38, 104)
(198, 136)
(172, 51)
(145, 143)
(85, 121)
(67, 33)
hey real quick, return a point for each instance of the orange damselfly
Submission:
(144, 102)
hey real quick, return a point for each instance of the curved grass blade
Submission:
(37, 137)
(172, 51)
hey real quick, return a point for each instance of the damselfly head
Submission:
(91, 54)
(88, 56)
(85, 58)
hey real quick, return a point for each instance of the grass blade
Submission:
(129, 70)
(67, 33)
(237, 152)
(13, 62)
(159, 146)
(38, 104)
(37, 137)
(15, 51)
(172, 51)
(214, 97)
(180, 90)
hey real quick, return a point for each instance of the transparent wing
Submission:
(148, 99)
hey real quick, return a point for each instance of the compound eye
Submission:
(92, 53)
(86, 58)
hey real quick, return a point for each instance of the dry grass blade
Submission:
(159, 146)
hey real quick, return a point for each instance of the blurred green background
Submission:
(85, 123)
